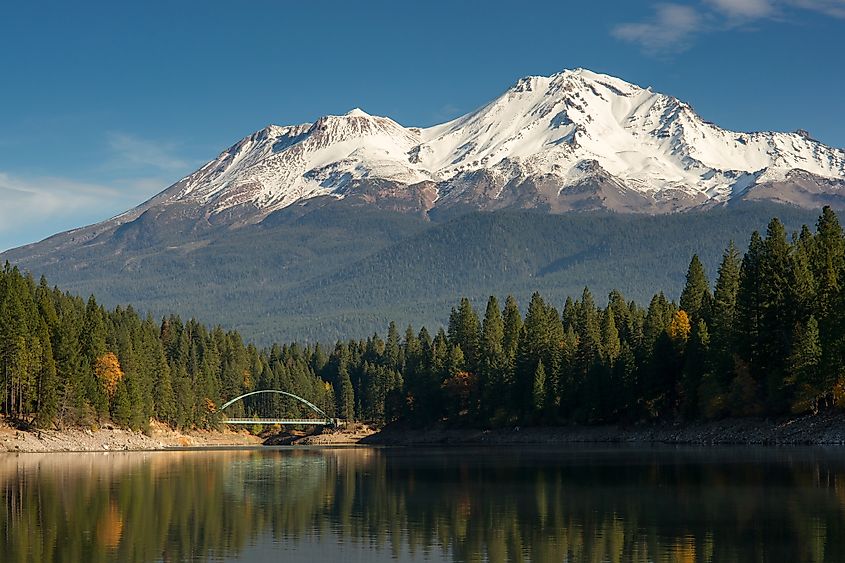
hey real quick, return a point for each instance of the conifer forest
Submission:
(764, 335)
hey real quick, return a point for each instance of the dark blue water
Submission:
(590, 504)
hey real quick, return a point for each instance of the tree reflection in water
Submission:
(520, 504)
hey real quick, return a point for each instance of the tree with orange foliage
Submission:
(109, 373)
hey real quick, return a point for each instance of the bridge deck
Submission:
(279, 421)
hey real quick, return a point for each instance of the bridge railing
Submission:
(324, 420)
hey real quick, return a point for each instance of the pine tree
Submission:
(346, 395)
(392, 348)
(512, 326)
(724, 318)
(810, 387)
(164, 399)
(622, 317)
(657, 319)
(93, 347)
(121, 408)
(465, 331)
(827, 262)
(493, 362)
(776, 314)
(538, 390)
(588, 332)
(695, 369)
(47, 403)
(695, 297)
(749, 307)
(610, 342)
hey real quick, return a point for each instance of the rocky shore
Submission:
(160, 437)
(827, 428)
(822, 429)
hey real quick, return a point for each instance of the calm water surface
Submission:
(371, 505)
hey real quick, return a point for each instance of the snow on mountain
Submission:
(545, 139)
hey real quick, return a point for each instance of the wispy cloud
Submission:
(835, 8)
(41, 206)
(133, 169)
(133, 152)
(670, 29)
(674, 27)
(47, 195)
(743, 9)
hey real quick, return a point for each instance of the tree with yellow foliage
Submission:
(109, 373)
(679, 329)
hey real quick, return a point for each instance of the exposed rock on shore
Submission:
(115, 439)
(827, 428)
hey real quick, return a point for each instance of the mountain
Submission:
(333, 227)
(572, 141)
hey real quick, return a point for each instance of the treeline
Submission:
(67, 361)
(767, 338)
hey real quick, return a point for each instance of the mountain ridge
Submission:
(598, 134)
(333, 227)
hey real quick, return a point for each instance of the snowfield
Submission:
(572, 129)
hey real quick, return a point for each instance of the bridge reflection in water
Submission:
(426, 505)
(324, 420)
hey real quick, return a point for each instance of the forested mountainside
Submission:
(321, 230)
(768, 337)
(317, 273)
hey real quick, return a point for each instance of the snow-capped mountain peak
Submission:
(357, 112)
(575, 139)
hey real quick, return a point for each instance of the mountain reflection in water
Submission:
(496, 504)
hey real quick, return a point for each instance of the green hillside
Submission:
(339, 271)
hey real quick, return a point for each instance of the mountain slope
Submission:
(333, 227)
(326, 270)
(573, 140)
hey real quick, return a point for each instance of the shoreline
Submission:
(13, 440)
(821, 429)
(815, 430)
(161, 438)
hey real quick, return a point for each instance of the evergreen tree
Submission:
(805, 374)
(749, 306)
(393, 349)
(723, 335)
(512, 326)
(493, 361)
(610, 342)
(777, 316)
(695, 369)
(345, 395)
(538, 392)
(465, 331)
(121, 408)
(695, 297)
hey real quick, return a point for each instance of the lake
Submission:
(684, 504)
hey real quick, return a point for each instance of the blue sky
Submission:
(103, 104)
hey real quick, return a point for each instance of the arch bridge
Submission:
(322, 419)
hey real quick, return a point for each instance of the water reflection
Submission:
(614, 504)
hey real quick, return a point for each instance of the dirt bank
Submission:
(116, 439)
(347, 435)
(820, 429)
